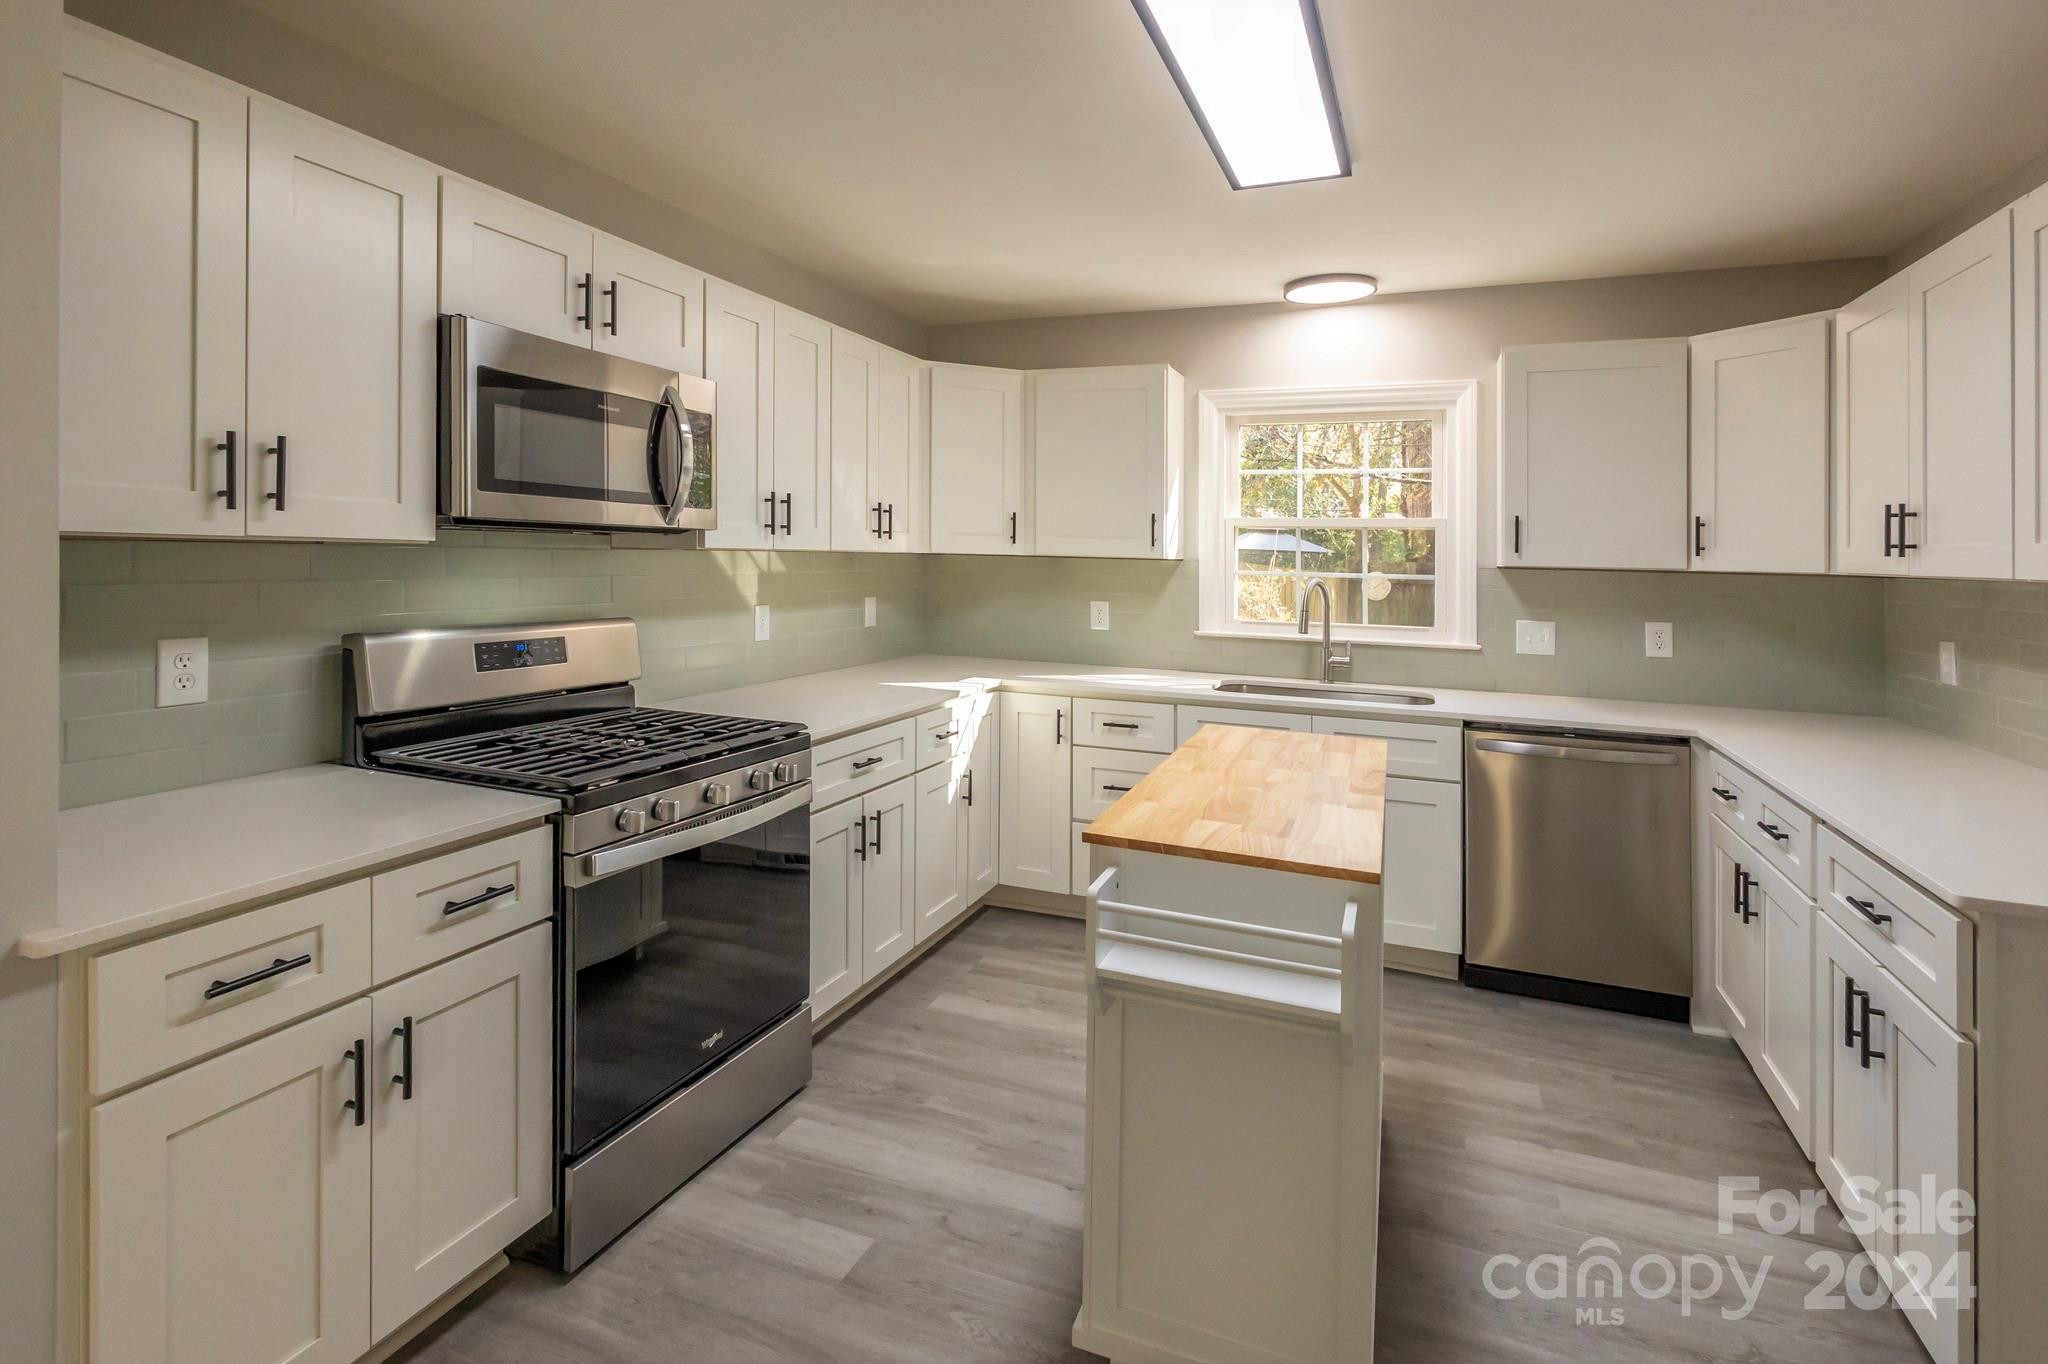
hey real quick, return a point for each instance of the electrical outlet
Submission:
(760, 624)
(180, 672)
(1098, 615)
(867, 612)
(1656, 639)
(1535, 636)
(1948, 663)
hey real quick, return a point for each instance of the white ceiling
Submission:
(969, 159)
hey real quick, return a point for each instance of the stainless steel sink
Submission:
(1327, 691)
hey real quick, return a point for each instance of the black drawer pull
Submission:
(1774, 831)
(276, 968)
(403, 1032)
(1868, 909)
(1869, 1053)
(1108, 787)
(1849, 996)
(487, 894)
(860, 839)
(1118, 724)
(945, 734)
(866, 763)
(1728, 796)
(359, 1054)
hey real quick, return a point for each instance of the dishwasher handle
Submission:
(1525, 748)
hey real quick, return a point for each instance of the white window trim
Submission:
(1457, 493)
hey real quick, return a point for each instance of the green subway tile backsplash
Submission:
(275, 615)
(2000, 630)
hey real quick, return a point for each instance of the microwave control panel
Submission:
(521, 653)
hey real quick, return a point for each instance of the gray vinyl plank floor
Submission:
(920, 1203)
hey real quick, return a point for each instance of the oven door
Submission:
(679, 948)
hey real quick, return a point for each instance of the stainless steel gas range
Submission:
(683, 919)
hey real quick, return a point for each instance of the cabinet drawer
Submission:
(149, 1003)
(1731, 791)
(1929, 947)
(1102, 775)
(431, 910)
(1191, 718)
(1426, 752)
(1777, 828)
(854, 763)
(1145, 726)
(949, 731)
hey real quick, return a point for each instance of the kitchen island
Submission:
(1233, 951)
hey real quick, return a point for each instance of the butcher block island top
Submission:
(1279, 799)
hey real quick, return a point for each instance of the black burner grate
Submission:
(588, 751)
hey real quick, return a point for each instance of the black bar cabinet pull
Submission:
(1059, 726)
(1013, 528)
(1774, 831)
(1735, 900)
(1889, 512)
(1849, 994)
(945, 734)
(487, 894)
(1107, 786)
(1723, 793)
(770, 500)
(278, 496)
(276, 968)
(1155, 530)
(359, 1054)
(611, 292)
(1699, 536)
(1868, 909)
(403, 1032)
(1904, 543)
(1119, 724)
(860, 838)
(1868, 1053)
(788, 502)
(1749, 909)
(866, 763)
(230, 490)
(890, 510)
(877, 510)
(969, 784)
(1518, 534)
(583, 318)
(875, 847)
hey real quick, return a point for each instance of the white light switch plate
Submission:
(1948, 663)
(1535, 636)
(180, 672)
(1098, 615)
(1656, 639)
(760, 624)
(867, 611)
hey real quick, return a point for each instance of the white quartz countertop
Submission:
(151, 862)
(1969, 826)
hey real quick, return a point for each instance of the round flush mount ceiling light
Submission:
(1338, 288)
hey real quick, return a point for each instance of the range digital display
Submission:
(521, 653)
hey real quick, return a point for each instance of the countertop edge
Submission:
(1321, 871)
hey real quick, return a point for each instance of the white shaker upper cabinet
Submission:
(150, 338)
(977, 462)
(1593, 455)
(1760, 448)
(342, 348)
(649, 308)
(514, 264)
(2030, 369)
(898, 471)
(858, 514)
(1106, 461)
(803, 431)
(739, 357)
(1959, 433)
(1871, 341)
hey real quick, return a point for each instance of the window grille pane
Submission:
(1269, 495)
(1267, 598)
(1410, 603)
(1403, 552)
(1266, 447)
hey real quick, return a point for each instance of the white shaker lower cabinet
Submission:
(1760, 448)
(462, 1078)
(1593, 455)
(231, 1205)
(956, 831)
(983, 797)
(1763, 974)
(1894, 1111)
(1424, 889)
(978, 467)
(1037, 840)
(863, 891)
(888, 917)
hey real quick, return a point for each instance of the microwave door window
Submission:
(539, 438)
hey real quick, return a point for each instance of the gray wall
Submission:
(29, 59)
(1800, 643)
(2000, 631)
(275, 615)
(265, 55)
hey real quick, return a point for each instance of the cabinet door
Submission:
(857, 513)
(838, 852)
(1593, 454)
(739, 357)
(1869, 439)
(649, 308)
(1037, 841)
(150, 342)
(977, 462)
(2030, 373)
(342, 344)
(803, 431)
(1782, 1041)
(982, 794)
(1424, 894)
(899, 450)
(1760, 448)
(1105, 461)
(514, 264)
(463, 1094)
(888, 891)
(941, 881)
(1959, 406)
(1738, 941)
(231, 1206)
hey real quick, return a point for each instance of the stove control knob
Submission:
(632, 821)
(785, 773)
(718, 793)
(667, 810)
(760, 779)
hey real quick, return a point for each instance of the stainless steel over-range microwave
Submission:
(536, 432)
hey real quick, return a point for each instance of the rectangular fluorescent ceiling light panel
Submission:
(1257, 77)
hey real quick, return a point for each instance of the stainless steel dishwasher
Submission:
(1578, 868)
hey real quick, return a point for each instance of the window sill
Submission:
(1363, 642)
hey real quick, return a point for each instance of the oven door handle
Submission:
(626, 856)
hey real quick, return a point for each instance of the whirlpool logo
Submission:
(708, 1043)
